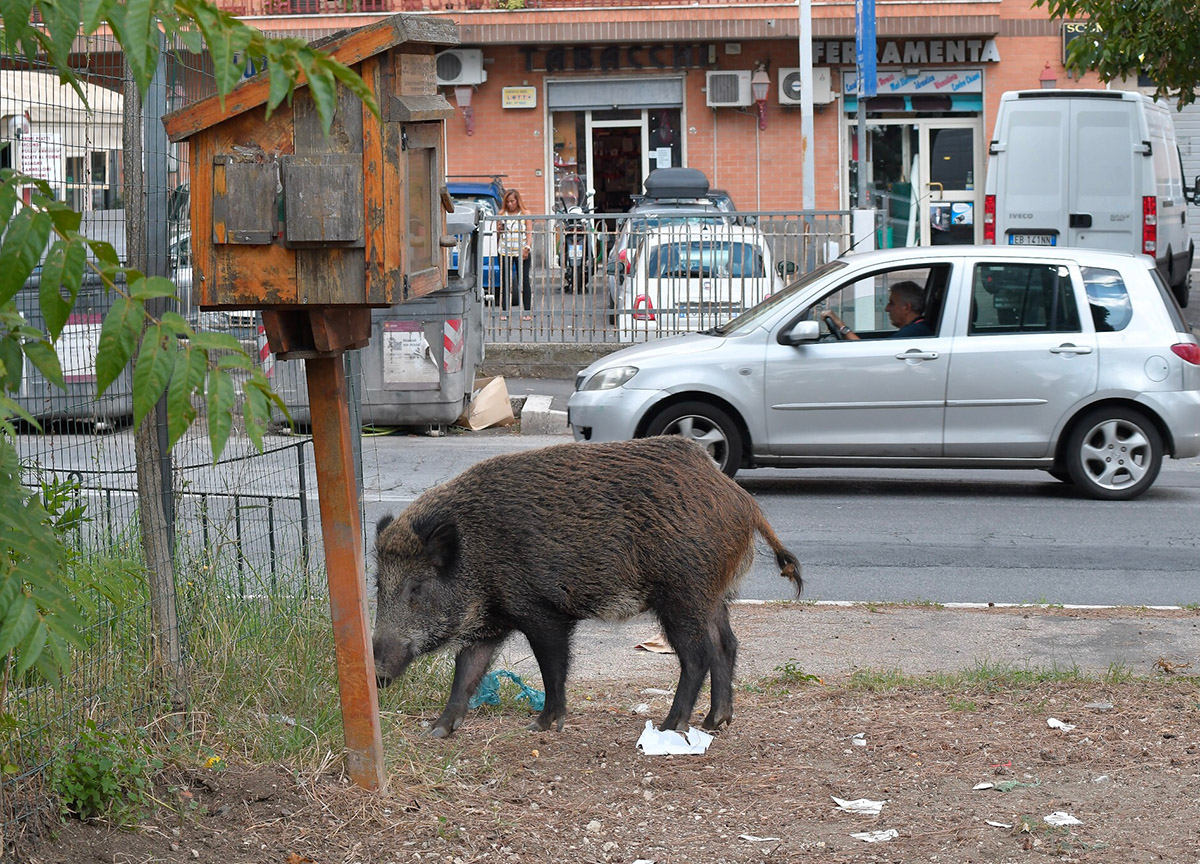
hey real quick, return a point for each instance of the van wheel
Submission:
(1114, 454)
(708, 426)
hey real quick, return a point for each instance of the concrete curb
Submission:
(538, 418)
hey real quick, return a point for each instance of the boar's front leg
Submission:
(551, 644)
(470, 665)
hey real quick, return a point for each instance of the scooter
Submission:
(578, 248)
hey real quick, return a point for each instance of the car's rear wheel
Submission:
(1114, 454)
(708, 426)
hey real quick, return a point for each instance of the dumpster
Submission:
(420, 365)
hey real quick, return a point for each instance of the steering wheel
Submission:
(833, 328)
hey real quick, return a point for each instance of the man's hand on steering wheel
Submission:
(835, 324)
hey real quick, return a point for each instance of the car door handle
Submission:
(915, 354)
(1071, 349)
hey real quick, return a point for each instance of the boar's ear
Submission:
(384, 521)
(440, 540)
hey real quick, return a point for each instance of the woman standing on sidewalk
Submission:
(515, 239)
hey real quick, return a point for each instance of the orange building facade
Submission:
(611, 90)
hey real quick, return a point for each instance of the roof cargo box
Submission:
(676, 183)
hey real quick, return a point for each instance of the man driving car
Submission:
(905, 309)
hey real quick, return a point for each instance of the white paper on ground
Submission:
(655, 743)
(876, 836)
(1060, 818)
(979, 787)
(864, 806)
(1055, 723)
(999, 824)
(751, 838)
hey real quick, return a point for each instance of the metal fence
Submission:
(583, 283)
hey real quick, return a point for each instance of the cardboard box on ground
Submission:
(489, 406)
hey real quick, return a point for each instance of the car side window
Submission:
(1108, 298)
(1022, 298)
(862, 304)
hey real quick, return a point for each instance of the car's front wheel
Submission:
(708, 426)
(1114, 454)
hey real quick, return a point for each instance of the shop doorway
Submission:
(921, 175)
(612, 151)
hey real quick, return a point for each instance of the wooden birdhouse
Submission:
(317, 229)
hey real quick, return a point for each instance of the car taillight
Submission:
(643, 309)
(1150, 225)
(989, 219)
(1189, 351)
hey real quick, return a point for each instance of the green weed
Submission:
(107, 773)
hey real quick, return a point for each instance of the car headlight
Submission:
(607, 379)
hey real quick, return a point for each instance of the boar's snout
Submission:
(391, 659)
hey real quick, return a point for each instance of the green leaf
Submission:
(104, 252)
(235, 361)
(177, 324)
(321, 87)
(24, 242)
(220, 410)
(18, 620)
(31, 648)
(155, 362)
(44, 357)
(92, 13)
(63, 269)
(256, 412)
(118, 337)
(10, 362)
(186, 378)
(217, 342)
(151, 287)
(66, 221)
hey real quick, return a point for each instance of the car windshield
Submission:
(706, 259)
(754, 316)
(486, 203)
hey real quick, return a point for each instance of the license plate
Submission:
(1032, 240)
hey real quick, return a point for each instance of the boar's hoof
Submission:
(543, 723)
(440, 732)
(714, 725)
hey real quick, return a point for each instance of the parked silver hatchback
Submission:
(1075, 361)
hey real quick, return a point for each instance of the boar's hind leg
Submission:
(470, 665)
(724, 659)
(551, 646)
(694, 648)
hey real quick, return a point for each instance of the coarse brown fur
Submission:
(539, 540)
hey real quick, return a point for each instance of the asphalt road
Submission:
(893, 535)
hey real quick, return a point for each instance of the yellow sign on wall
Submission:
(518, 97)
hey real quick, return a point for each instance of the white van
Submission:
(1095, 168)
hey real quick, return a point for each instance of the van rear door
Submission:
(1031, 171)
(1107, 138)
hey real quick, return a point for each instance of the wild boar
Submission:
(537, 541)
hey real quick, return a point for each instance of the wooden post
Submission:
(341, 528)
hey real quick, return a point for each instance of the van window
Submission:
(1022, 298)
(1108, 298)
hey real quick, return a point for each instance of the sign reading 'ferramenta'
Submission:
(911, 52)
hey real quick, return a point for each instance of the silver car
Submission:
(1075, 361)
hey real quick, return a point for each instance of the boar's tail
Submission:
(789, 564)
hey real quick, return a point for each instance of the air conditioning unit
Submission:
(789, 86)
(728, 89)
(460, 67)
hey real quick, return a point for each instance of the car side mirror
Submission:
(786, 268)
(1196, 190)
(800, 333)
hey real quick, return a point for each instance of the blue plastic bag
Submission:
(489, 691)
